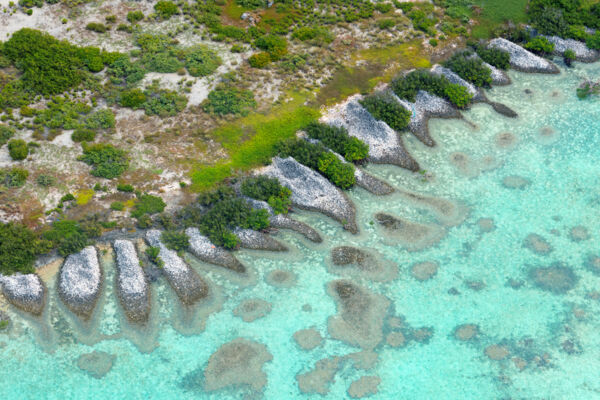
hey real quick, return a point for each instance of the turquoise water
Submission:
(550, 338)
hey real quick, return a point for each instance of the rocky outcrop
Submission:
(281, 221)
(312, 192)
(582, 52)
(26, 292)
(186, 283)
(372, 184)
(132, 286)
(80, 282)
(255, 240)
(385, 145)
(207, 252)
(499, 77)
(524, 60)
(426, 106)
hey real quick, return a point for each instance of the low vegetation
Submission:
(106, 160)
(407, 87)
(19, 246)
(338, 140)
(270, 190)
(384, 107)
(470, 68)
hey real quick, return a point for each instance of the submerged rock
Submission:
(372, 184)
(592, 263)
(486, 224)
(424, 270)
(579, 233)
(26, 292)
(97, 363)
(281, 278)
(466, 332)
(312, 192)
(255, 240)
(364, 386)
(503, 109)
(523, 60)
(318, 379)
(537, 244)
(237, 363)
(360, 314)
(207, 252)
(132, 285)
(308, 339)
(464, 164)
(556, 278)
(426, 106)
(505, 140)
(515, 182)
(446, 211)
(412, 235)
(186, 282)
(499, 77)
(582, 52)
(282, 221)
(252, 309)
(497, 352)
(385, 145)
(80, 282)
(350, 261)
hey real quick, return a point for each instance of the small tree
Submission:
(18, 150)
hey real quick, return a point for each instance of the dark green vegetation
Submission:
(106, 160)
(13, 178)
(153, 255)
(564, 18)
(165, 9)
(587, 89)
(227, 99)
(470, 68)
(407, 87)
(317, 157)
(6, 132)
(146, 204)
(19, 247)
(17, 149)
(495, 57)
(70, 236)
(270, 190)
(540, 45)
(201, 61)
(174, 240)
(384, 107)
(338, 140)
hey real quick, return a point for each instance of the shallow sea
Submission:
(544, 333)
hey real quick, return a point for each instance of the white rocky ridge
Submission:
(499, 77)
(582, 52)
(80, 281)
(132, 286)
(202, 247)
(385, 145)
(311, 191)
(26, 292)
(522, 59)
(251, 239)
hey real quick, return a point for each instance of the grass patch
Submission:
(250, 140)
(84, 196)
(233, 10)
(496, 12)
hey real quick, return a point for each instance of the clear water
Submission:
(553, 338)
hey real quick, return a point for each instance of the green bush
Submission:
(315, 34)
(83, 135)
(132, 98)
(135, 16)
(147, 204)
(457, 95)
(229, 100)
(174, 240)
(106, 160)
(339, 173)
(45, 180)
(68, 236)
(201, 61)
(276, 46)
(386, 23)
(101, 119)
(540, 45)
(569, 56)
(163, 62)
(270, 190)
(163, 102)
(19, 247)
(259, 60)
(408, 86)
(96, 27)
(421, 20)
(6, 132)
(165, 9)
(387, 109)
(18, 150)
(257, 219)
(593, 41)
(384, 8)
(13, 178)
(153, 255)
(251, 4)
(433, 42)
(470, 69)
(126, 188)
(338, 140)
(495, 57)
(126, 72)
(117, 206)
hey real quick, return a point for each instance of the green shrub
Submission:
(229, 100)
(384, 8)
(408, 86)
(127, 188)
(270, 190)
(45, 180)
(174, 240)
(386, 23)
(421, 20)
(19, 247)
(18, 150)
(147, 204)
(495, 57)
(135, 16)
(13, 178)
(433, 42)
(83, 135)
(144, 221)
(569, 56)
(593, 41)
(457, 95)
(201, 61)
(110, 19)
(153, 255)
(251, 4)
(163, 62)
(257, 220)
(6, 132)
(96, 27)
(276, 46)
(470, 69)
(117, 206)
(339, 173)
(101, 119)
(106, 160)
(338, 140)
(387, 109)
(238, 48)
(132, 98)
(165, 9)
(259, 60)
(68, 236)
(540, 45)
(126, 72)
(67, 197)
(163, 102)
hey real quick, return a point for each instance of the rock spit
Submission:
(207, 252)
(26, 292)
(80, 282)
(132, 285)
(523, 60)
